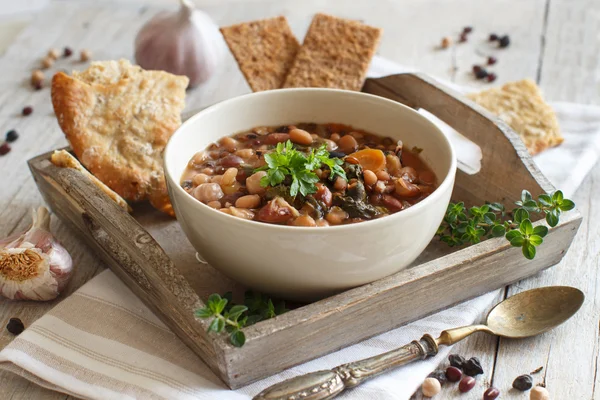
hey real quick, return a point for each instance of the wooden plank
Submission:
(570, 69)
(482, 346)
(570, 371)
(504, 155)
(424, 22)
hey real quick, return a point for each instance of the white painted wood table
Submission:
(556, 42)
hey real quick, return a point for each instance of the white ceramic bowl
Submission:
(302, 263)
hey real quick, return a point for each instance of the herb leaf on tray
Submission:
(287, 161)
(233, 317)
(462, 225)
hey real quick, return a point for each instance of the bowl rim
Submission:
(442, 187)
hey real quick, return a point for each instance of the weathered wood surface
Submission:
(567, 70)
(337, 321)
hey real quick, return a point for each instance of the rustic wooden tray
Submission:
(150, 253)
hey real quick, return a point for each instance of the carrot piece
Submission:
(371, 159)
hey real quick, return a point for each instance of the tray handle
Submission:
(505, 158)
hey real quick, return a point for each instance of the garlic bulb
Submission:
(186, 43)
(33, 265)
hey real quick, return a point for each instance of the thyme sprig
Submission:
(462, 225)
(230, 317)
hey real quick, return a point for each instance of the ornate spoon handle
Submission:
(322, 385)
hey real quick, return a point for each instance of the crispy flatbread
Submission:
(118, 119)
(520, 104)
(264, 51)
(336, 53)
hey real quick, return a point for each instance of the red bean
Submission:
(392, 203)
(453, 374)
(277, 211)
(324, 194)
(274, 138)
(467, 383)
(491, 394)
(230, 161)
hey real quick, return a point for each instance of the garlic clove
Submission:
(184, 43)
(33, 265)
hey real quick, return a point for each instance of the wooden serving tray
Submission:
(150, 253)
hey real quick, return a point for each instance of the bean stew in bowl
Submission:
(308, 174)
(317, 191)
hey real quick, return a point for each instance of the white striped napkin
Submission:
(103, 343)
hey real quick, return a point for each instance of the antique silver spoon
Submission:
(523, 315)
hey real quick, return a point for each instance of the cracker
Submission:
(520, 104)
(63, 159)
(335, 54)
(264, 51)
(118, 119)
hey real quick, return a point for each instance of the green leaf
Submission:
(513, 234)
(496, 207)
(220, 324)
(237, 338)
(520, 215)
(498, 230)
(535, 240)
(557, 197)
(270, 309)
(545, 200)
(252, 319)
(220, 306)
(540, 230)
(489, 218)
(204, 312)
(567, 205)
(525, 196)
(526, 227)
(552, 218)
(214, 298)
(517, 241)
(529, 251)
(214, 325)
(236, 311)
(530, 205)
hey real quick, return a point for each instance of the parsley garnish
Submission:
(287, 161)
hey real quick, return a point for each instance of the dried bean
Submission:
(440, 375)
(466, 384)
(491, 394)
(456, 361)
(431, 387)
(523, 382)
(472, 367)
(15, 326)
(453, 374)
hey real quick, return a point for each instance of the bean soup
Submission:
(308, 175)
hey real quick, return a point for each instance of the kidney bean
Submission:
(323, 194)
(392, 203)
(274, 138)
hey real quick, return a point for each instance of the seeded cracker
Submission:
(336, 54)
(264, 51)
(521, 105)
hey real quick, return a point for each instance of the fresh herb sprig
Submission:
(462, 226)
(232, 318)
(288, 161)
